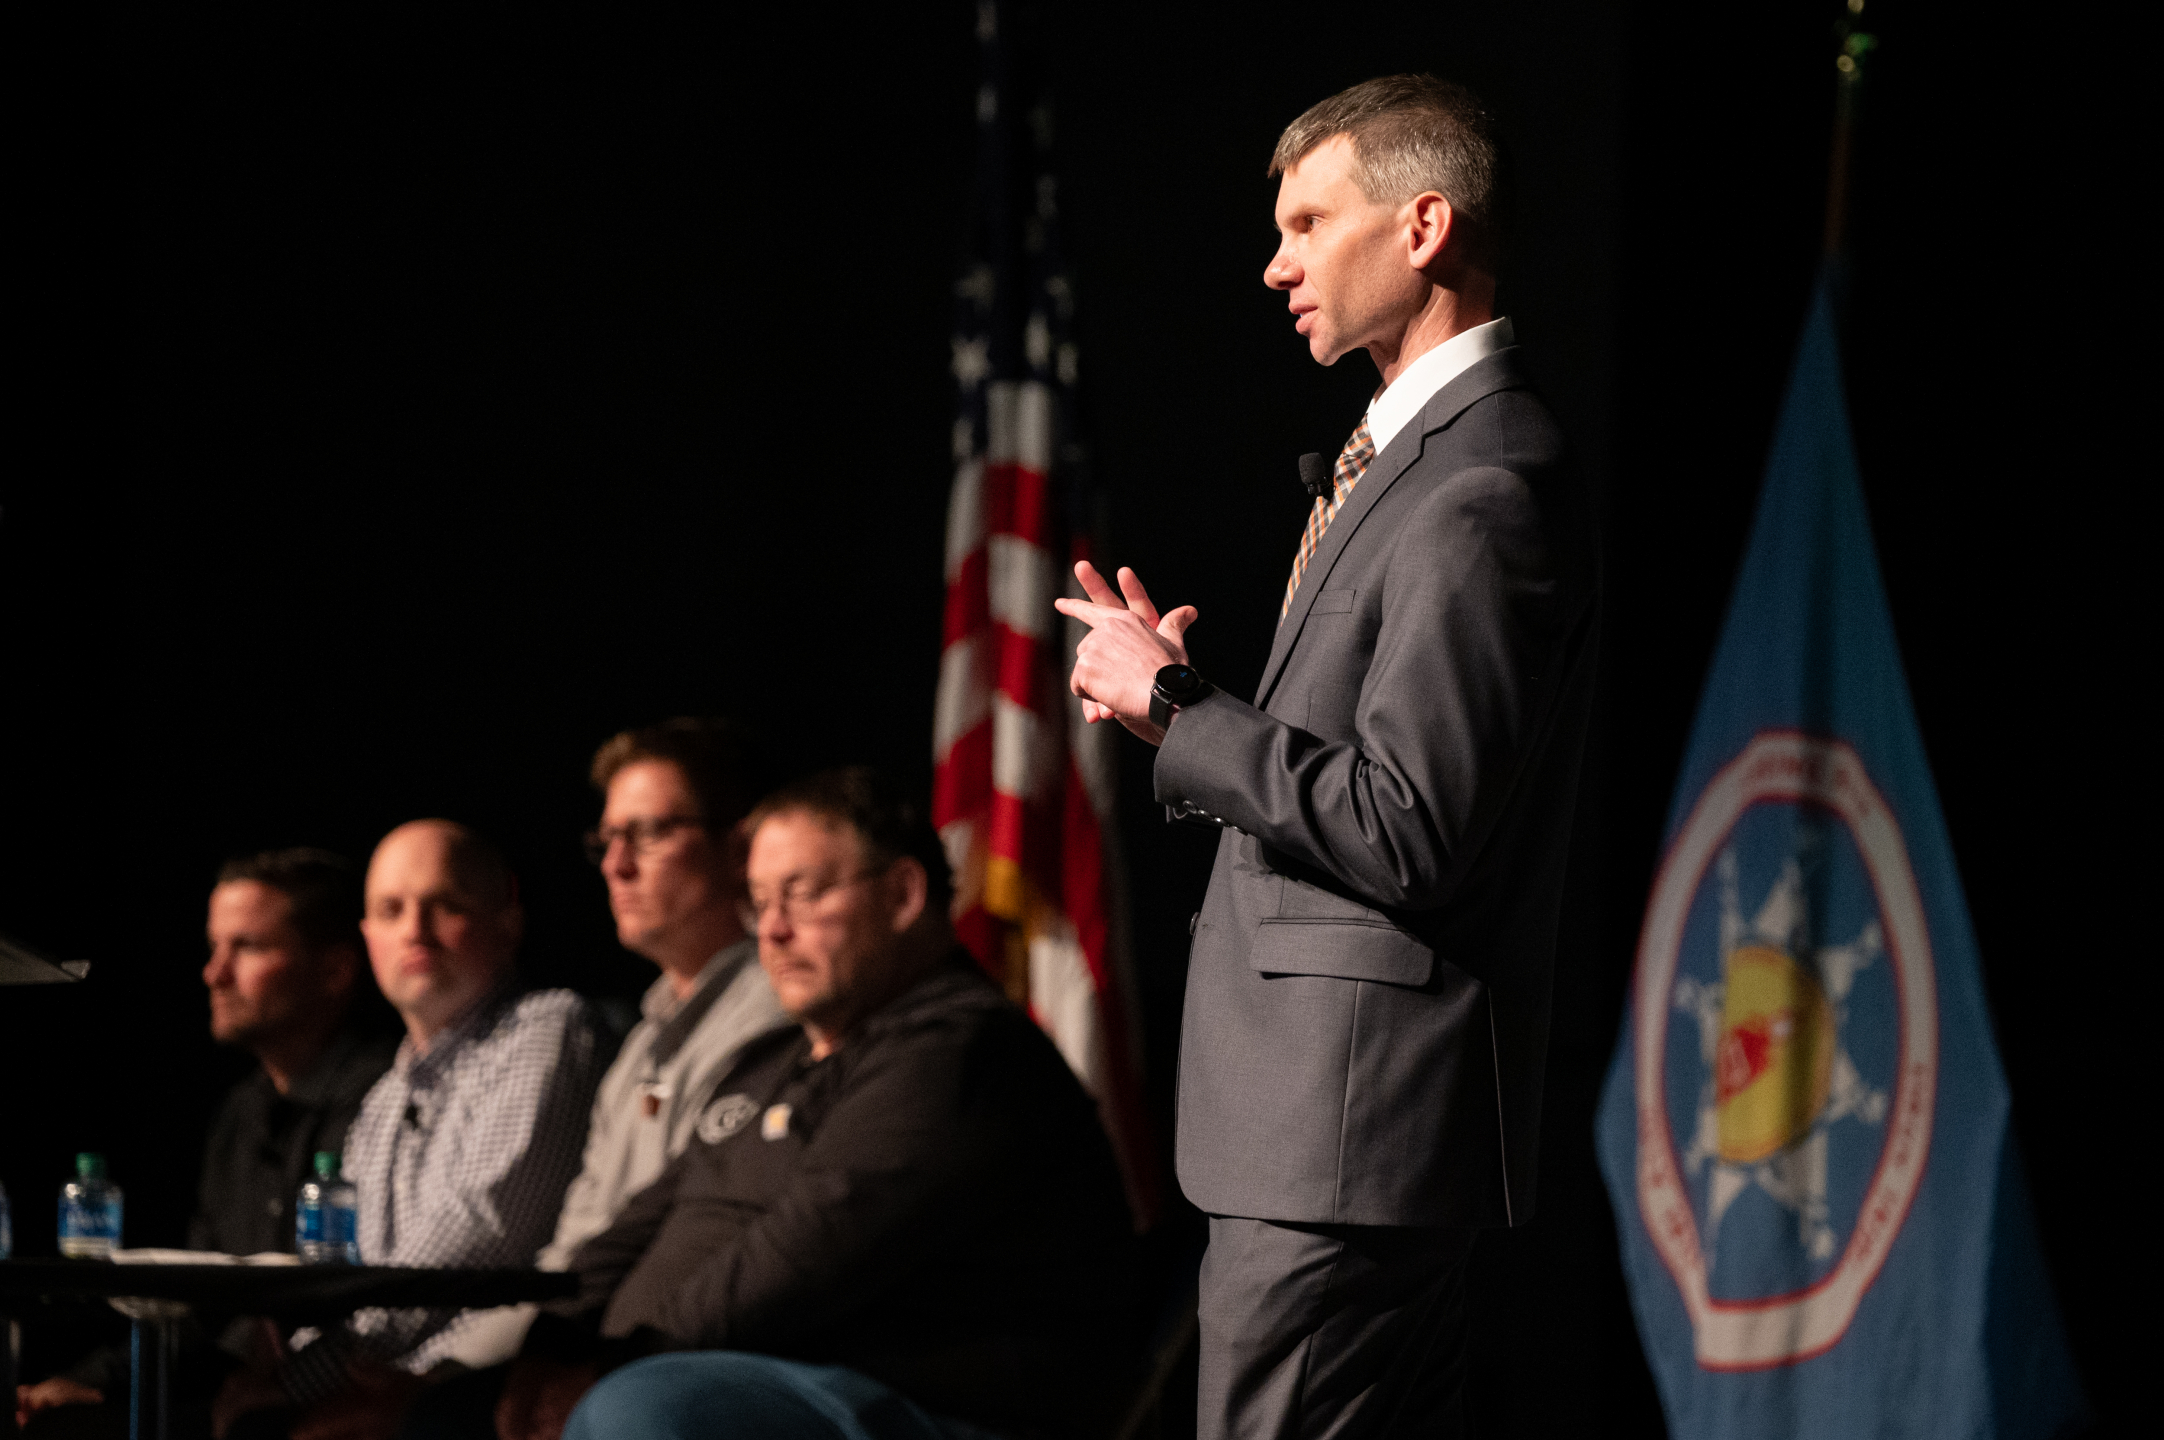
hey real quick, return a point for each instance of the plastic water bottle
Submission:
(326, 1221)
(89, 1211)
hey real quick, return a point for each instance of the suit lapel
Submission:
(1497, 372)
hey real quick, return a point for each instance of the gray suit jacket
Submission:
(1368, 991)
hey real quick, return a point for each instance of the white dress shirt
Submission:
(1391, 411)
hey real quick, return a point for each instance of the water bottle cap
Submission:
(326, 1164)
(89, 1166)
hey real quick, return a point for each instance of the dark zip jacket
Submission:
(933, 1204)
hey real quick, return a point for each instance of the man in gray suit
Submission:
(1368, 991)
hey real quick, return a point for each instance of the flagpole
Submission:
(1848, 65)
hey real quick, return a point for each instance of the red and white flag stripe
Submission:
(1023, 789)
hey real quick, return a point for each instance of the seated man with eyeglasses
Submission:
(906, 1222)
(670, 849)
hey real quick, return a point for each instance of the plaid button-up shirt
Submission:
(461, 1157)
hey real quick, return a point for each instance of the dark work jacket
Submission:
(934, 1204)
(1366, 1024)
(261, 1146)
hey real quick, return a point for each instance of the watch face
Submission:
(1178, 680)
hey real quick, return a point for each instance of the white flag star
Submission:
(972, 361)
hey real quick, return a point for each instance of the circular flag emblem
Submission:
(1785, 1033)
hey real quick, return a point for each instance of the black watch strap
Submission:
(1176, 685)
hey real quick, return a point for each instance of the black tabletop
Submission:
(288, 1292)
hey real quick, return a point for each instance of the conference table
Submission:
(156, 1297)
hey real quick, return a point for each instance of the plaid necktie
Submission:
(1351, 465)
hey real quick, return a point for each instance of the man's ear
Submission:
(1429, 226)
(912, 888)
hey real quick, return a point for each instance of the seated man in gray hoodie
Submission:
(669, 847)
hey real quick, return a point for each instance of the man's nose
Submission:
(620, 861)
(1282, 273)
(217, 970)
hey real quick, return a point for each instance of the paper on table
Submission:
(201, 1257)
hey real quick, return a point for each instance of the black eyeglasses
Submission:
(799, 896)
(641, 835)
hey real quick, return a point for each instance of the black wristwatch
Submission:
(1176, 685)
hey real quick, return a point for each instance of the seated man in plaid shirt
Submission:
(462, 1152)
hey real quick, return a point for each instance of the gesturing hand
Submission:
(1128, 643)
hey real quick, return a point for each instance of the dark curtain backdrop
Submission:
(401, 408)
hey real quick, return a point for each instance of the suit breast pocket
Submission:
(1343, 949)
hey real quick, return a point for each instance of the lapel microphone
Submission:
(1315, 473)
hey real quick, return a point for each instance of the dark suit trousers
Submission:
(1344, 1331)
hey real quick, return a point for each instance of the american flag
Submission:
(1023, 789)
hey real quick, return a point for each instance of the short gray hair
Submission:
(1410, 134)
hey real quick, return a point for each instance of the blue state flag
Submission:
(1805, 1130)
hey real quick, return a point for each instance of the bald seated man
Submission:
(462, 1152)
